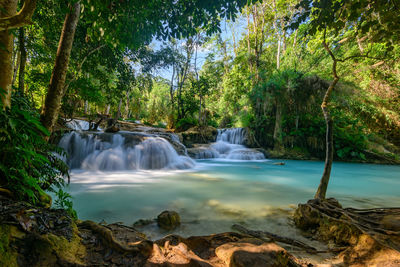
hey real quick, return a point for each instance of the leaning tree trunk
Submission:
(8, 8)
(22, 50)
(56, 88)
(323, 186)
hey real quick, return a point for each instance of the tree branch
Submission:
(22, 18)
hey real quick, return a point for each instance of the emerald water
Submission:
(218, 193)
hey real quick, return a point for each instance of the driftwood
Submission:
(273, 237)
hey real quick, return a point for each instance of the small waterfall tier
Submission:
(232, 135)
(229, 145)
(79, 125)
(122, 151)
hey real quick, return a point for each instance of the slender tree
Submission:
(371, 19)
(56, 88)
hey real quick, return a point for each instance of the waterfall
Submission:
(122, 151)
(79, 125)
(232, 135)
(228, 145)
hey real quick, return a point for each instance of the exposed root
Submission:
(144, 246)
(6, 192)
(273, 237)
(369, 234)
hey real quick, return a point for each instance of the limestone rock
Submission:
(112, 129)
(199, 135)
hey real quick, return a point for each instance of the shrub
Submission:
(29, 165)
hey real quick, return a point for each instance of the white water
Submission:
(114, 152)
(79, 125)
(229, 145)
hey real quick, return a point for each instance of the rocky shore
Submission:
(33, 236)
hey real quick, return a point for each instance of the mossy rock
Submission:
(8, 255)
(199, 135)
(168, 220)
(53, 250)
(45, 200)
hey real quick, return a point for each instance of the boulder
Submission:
(168, 220)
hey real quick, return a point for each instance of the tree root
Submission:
(143, 247)
(368, 234)
(6, 192)
(273, 237)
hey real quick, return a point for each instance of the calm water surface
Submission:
(217, 193)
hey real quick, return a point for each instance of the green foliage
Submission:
(186, 123)
(28, 164)
(64, 202)
(379, 20)
(349, 136)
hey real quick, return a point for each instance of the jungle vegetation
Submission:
(169, 64)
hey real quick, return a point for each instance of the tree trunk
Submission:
(278, 54)
(16, 61)
(127, 100)
(55, 93)
(278, 127)
(108, 109)
(8, 8)
(22, 64)
(119, 109)
(200, 122)
(323, 186)
(86, 107)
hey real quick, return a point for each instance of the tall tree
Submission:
(56, 88)
(10, 19)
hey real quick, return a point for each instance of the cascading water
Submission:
(229, 145)
(125, 151)
(232, 135)
(79, 125)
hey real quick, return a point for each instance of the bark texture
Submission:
(22, 50)
(13, 20)
(56, 88)
(8, 8)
